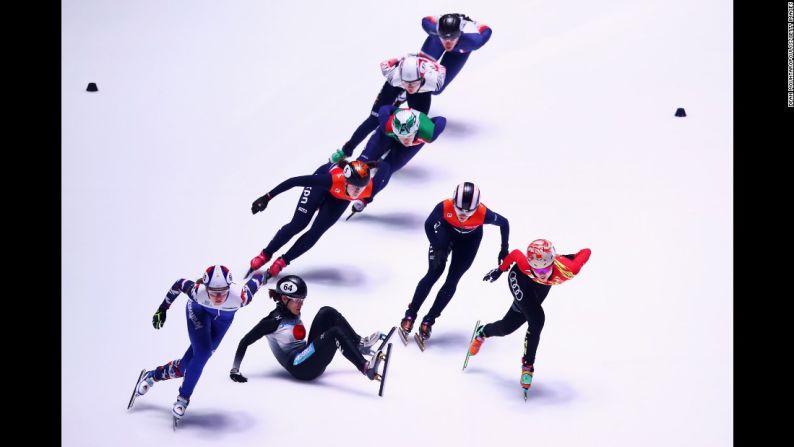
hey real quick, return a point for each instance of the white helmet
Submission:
(217, 277)
(410, 69)
(540, 253)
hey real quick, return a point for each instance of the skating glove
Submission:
(502, 253)
(358, 206)
(158, 320)
(236, 376)
(260, 204)
(493, 275)
(337, 155)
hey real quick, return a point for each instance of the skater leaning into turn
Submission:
(529, 280)
(306, 359)
(454, 36)
(414, 78)
(453, 227)
(401, 135)
(212, 303)
(326, 193)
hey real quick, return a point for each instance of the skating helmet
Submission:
(466, 197)
(449, 26)
(217, 278)
(292, 286)
(357, 174)
(409, 69)
(405, 123)
(540, 253)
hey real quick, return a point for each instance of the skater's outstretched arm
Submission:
(497, 219)
(320, 180)
(251, 287)
(182, 285)
(574, 263)
(267, 325)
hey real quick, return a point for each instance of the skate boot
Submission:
(423, 335)
(479, 339)
(406, 326)
(366, 343)
(259, 260)
(276, 267)
(147, 381)
(371, 368)
(425, 329)
(526, 378)
(179, 407)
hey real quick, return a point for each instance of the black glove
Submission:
(502, 253)
(493, 275)
(158, 320)
(236, 376)
(260, 204)
(438, 256)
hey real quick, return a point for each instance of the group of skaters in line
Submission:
(453, 228)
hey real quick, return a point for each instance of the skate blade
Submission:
(135, 390)
(420, 341)
(403, 336)
(468, 350)
(385, 339)
(385, 369)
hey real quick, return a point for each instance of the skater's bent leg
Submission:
(536, 319)
(463, 252)
(453, 62)
(328, 317)
(327, 215)
(512, 320)
(426, 283)
(311, 199)
(199, 331)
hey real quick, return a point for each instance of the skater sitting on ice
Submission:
(212, 303)
(306, 359)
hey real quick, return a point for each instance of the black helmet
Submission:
(449, 26)
(466, 196)
(292, 286)
(357, 173)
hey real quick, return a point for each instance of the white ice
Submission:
(565, 122)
